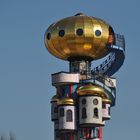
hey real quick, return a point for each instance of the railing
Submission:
(108, 63)
(120, 41)
(101, 81)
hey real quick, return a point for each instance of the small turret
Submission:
(54, 108)
(90, 105)
(67, 114)
(106, 109)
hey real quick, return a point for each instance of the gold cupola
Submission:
(106, 101)
(91, 90)
(55, 98)
(79, 36)
(66, 101)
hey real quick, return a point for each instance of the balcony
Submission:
(64, 78)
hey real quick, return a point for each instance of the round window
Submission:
(84, 101)
(95, 101)
(79, 32)
(97, 32)
(61, 33)
(49, 36)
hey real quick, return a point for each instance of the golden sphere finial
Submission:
(79, 36)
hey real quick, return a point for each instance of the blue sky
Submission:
(26, 66)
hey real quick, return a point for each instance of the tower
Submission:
(84, 96)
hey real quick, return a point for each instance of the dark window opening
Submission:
(84, 101)
(61, 112)
(84, 113)
(104, 105)
(96, 113)
(97, 69)
(61, 33)
(79, 32)
(109, 110)
(55, 110)
(98, 33)
(49, 36)
(69, 116)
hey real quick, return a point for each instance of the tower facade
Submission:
(84, 96)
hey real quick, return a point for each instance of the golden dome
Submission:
(79, 36)
(66, 101)
(55, 98)
(91, 90)
(106, 101)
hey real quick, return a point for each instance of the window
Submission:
(61, 33)
(49, 36)
(96, 113)
(103, 105)
(79, 32)
(97, 69)
(97, 32)
(95, 101)
(84, 113)
(61, 112)
(55, 109)
(109, 110)
(69, 116)
(84, 101)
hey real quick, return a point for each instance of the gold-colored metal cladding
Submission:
(78, 36)
(66, 101)
(91, 90)
(55, 98)
(106, 101)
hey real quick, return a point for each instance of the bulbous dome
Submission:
(66, 101)
(91, 90)
(79, 36)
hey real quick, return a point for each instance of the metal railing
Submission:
(108, 63)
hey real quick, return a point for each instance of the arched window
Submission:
(69, 116)
(84, 101)
(84, 113)
(55, 110)
(109, 110)
(96, 115)
(61, 112)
